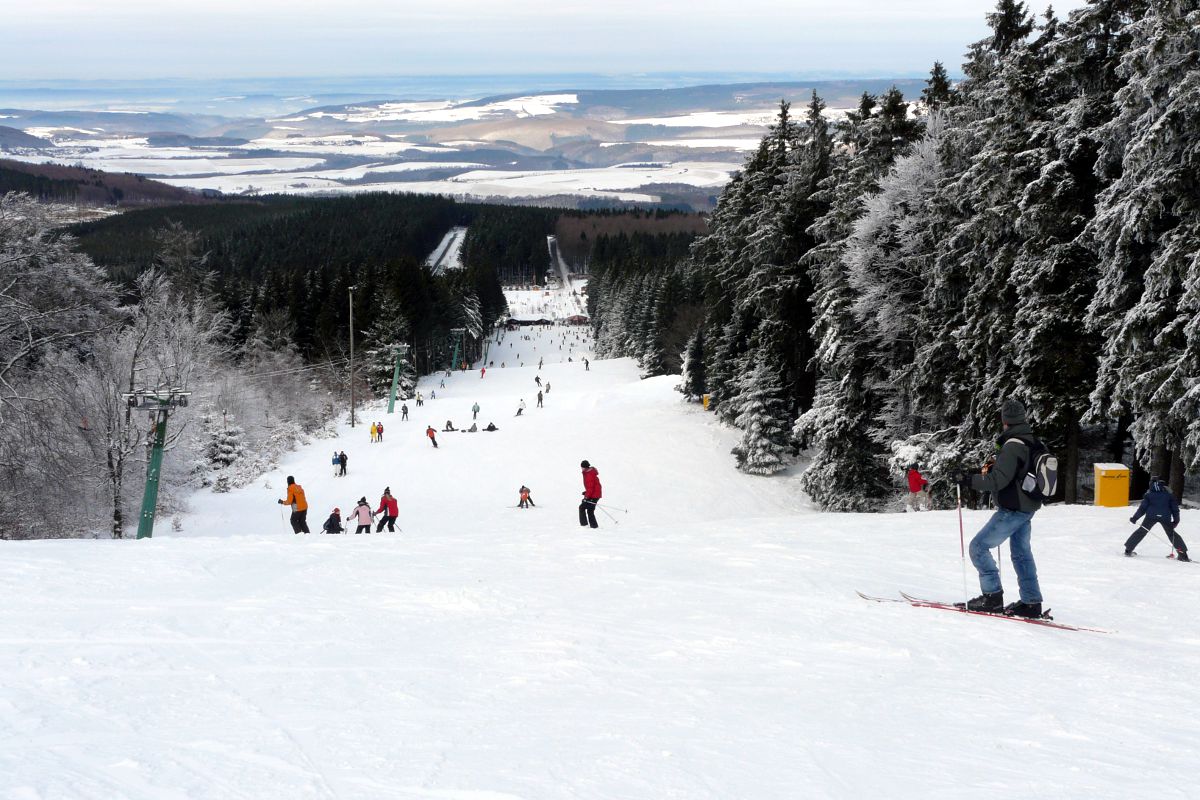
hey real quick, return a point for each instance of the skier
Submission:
(379, 431)
(587, 365)
(420, 400)
(1159, 507)
(526, 500)
(443, 384)
(475, 412)
(433, 395)
(547, 387)
(336, 463)
(295, 499)
(539, 400)
(482, 372)
(362, 512)
(390, 510)
(342, 462)
(334, 523)
(918, 490)
(374, 432)
(1011, 520)
(404, 412)
(591, 495)
(432, 434)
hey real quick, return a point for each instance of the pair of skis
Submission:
(1045, 620)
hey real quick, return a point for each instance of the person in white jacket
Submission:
(363, 513)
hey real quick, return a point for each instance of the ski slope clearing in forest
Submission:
(710, 645)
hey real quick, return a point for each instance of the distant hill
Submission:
(11, 139)
(91, 187)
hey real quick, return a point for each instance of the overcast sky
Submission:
(146, 39)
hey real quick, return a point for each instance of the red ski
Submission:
(921, 603)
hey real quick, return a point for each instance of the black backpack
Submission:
(1040, 481)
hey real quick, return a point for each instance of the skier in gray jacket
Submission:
(1011, 520)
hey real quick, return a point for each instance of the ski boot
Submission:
(988, 603)
(1020, 609)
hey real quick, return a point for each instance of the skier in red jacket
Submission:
(390, 510)
(591, 495)
(918, 490)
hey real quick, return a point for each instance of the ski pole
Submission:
(283, 520)
(962, 547)
(1170, 544)
(610, 516)
(618, 508)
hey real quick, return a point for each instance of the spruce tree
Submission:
(765, 447)
(1145, 232)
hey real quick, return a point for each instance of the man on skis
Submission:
(295, 498)
(591, 495)
(1011, 520)
(1159, 507)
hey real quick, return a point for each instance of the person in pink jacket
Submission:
(362, 512)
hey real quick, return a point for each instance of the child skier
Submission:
(1159, 507)
(526, 500)
(334, 523)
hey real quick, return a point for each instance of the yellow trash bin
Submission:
(1112, 485)
(704, 399)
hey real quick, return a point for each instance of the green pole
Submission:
(395, 384)
(150, 499)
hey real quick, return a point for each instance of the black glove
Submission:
(279, 501)
(1132, 521)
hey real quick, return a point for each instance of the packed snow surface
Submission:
(705, 642)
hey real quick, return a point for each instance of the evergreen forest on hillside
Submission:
(870, 291)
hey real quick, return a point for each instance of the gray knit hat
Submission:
(1012, 412)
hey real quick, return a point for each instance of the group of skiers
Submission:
(339, 463)
(376, 431)
(363, 515)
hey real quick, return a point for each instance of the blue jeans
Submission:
(1012, 525)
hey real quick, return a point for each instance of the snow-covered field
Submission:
(705, 643)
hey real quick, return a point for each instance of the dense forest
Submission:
(871, 290)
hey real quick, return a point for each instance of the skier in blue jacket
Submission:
(1158, 506)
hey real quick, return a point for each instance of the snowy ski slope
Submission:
(710, 645)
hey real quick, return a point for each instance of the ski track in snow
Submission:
(710, 645)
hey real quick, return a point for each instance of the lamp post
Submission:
(351, 289)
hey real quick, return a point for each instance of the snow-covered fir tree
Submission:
(766, 445)
(1146, 232)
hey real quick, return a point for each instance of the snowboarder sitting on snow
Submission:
(295, 499)
(526, 500)
(491, 426)
(918, 490)
(591, 495)
(449, 427)
(1159, 507)
(1011, 520)
(362, 512)
(432, 434)
(334, 523)
(473, 429)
